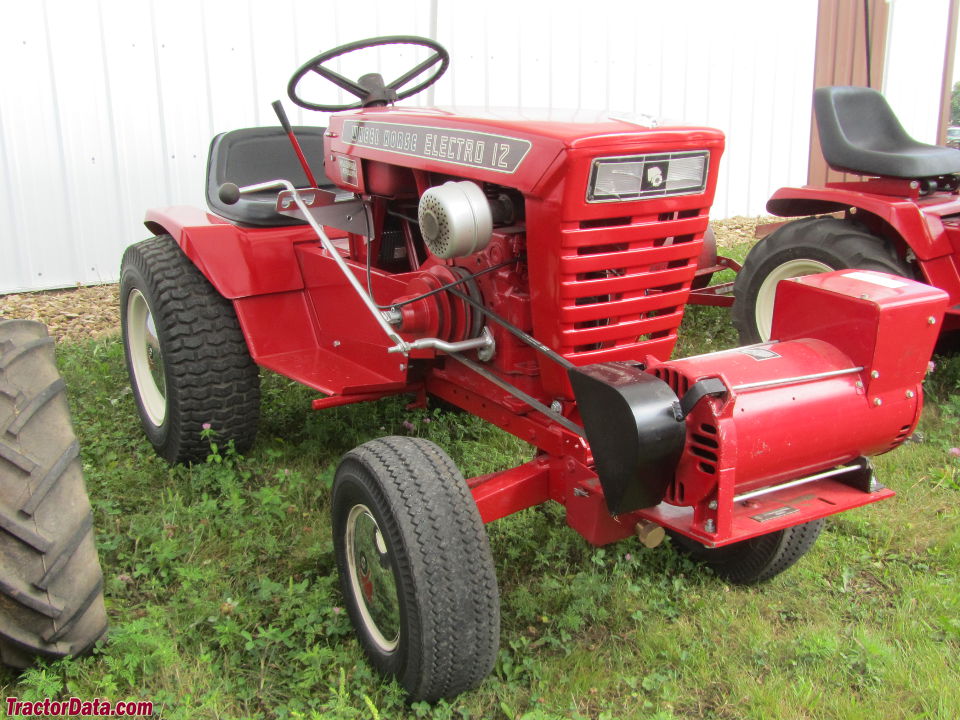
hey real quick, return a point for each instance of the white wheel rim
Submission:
(371, 578)
(768, 290)
(146, 358)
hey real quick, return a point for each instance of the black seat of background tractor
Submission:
(859, 133)
(254, 155)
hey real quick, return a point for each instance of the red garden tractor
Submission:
(903, 218)
(534, 273)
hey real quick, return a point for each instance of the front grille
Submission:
(622, 287)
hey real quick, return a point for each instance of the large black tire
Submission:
(415, 567)
(802, 247)
(186, 355)
(51, 587)
(752, 561)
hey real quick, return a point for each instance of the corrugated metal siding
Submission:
(745, 67)
(107, 108)
(842, 60)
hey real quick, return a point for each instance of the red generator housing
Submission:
(836, 384)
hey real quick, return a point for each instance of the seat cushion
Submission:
(859, 133)
(254, 155)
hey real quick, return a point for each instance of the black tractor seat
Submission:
(860, 134)
(254, 155)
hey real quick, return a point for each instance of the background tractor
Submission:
(902, 218)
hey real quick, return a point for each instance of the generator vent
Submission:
(704, 444)
(901, 436)
(702, 450)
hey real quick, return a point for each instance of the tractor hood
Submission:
(491, 146)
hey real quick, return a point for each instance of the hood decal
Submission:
(458, 147)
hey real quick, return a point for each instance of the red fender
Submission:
(239, 262)
(918, 221)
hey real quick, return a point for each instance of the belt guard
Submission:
(634, 425)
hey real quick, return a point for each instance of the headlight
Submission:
(635, 177)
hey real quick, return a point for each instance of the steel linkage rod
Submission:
(518, 393)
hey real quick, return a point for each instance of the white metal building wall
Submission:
(743, 66)
(107, 107)
(913, 70)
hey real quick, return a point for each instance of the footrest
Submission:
(330, 373)
(767, 513)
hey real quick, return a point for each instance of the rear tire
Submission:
(415, 567)
(755, 560)
(803, 247)
(186, 355)
(51, 586)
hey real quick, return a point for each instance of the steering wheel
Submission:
(370, 88)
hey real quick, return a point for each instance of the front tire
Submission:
(755, 560)
(415, 567)
(186, 355)
(51, 586)
(803, 247)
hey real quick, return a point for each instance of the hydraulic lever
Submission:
(282, 117)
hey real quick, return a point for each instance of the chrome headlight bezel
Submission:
(650, 174)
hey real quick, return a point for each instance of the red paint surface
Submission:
(596, 282)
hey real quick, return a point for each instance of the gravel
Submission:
(92, 312)
(735, 230)
(73, 314)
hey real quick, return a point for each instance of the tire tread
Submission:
(758, 559)
(450, 563)
(48, 560)
(213, 378)
(841, 244)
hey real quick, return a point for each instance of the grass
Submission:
(223, 600)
